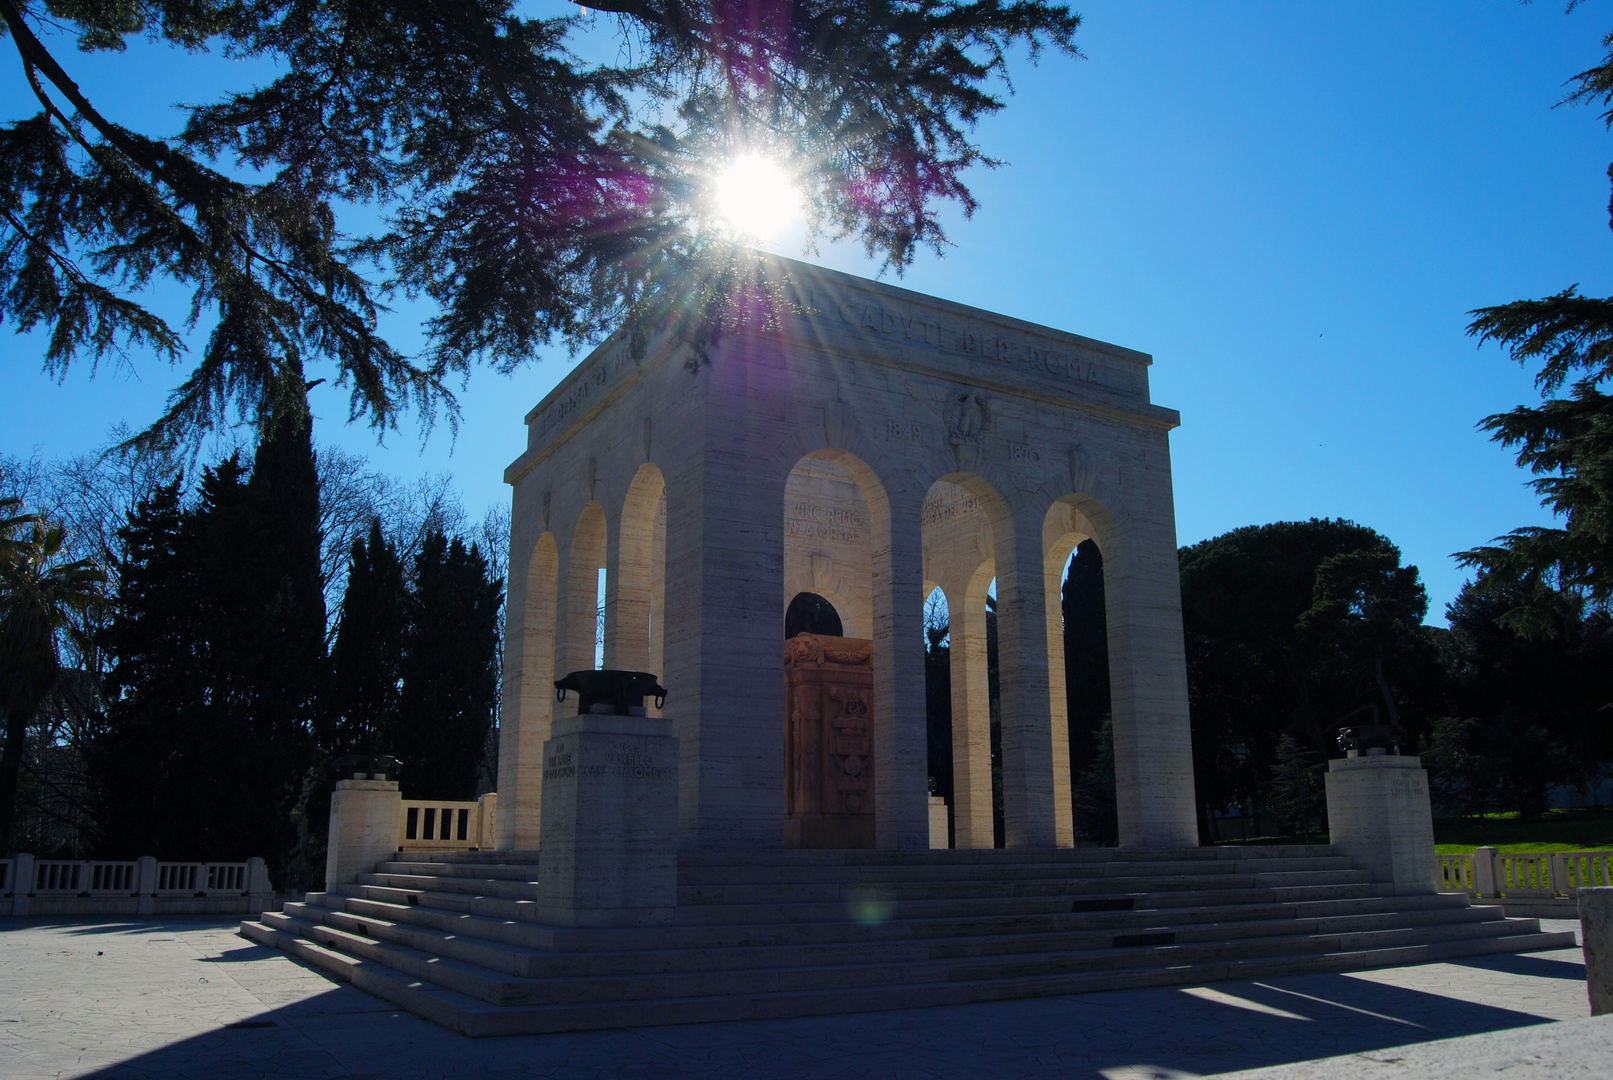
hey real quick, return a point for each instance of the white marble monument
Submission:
(871, 446)
(1378, 814)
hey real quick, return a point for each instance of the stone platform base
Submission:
(1544, 907)
(773, 934)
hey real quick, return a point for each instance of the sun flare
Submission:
(755, 197)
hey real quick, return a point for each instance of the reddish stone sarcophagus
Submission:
(828, 742)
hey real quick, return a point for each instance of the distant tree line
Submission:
(283, 612)
(1296, 628)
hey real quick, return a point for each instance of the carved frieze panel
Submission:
(828, 742)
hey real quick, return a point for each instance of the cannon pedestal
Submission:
(608, 837)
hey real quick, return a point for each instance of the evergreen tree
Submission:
(529, 195)
(1295, 795)
(219, 640)
(1289, 628)
(1096, 814)
(151, 760)
(366, 659)
(1532, 710)
(1566, 441)
(448, 670)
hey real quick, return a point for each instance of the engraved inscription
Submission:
(1028, 455)
(874, 318)
(825, 522)
(937, 509)
(904, 430)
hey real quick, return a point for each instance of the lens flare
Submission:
(755, 197)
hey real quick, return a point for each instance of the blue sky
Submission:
(1292, 207)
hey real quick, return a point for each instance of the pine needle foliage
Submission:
(532, 197)
(1566, 442)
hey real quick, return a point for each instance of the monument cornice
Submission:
(838, 315)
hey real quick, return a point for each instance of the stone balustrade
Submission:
(445, 825)
(1487, 873)
(143, 886)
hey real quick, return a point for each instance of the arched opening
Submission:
(810, 613)
(1078, 677)
(635, 601)
(963, 521)
(938, 704)
(528, 706)
(585, 560)
(829, 593)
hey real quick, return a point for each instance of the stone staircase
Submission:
(771, 934)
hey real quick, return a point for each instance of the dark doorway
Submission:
(810, 613)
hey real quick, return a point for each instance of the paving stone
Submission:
(154, 999)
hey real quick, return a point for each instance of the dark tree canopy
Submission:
(1290, 628)
(358, 713)
(220, 653)
(449, 679)
(531, 196)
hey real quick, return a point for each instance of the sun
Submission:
(755, 197)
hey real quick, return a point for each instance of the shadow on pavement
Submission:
(1159, 1032)
(1524, 964)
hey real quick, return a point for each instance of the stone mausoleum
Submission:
(770, 516)
(873, 445)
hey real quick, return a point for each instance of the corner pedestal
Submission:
(1378, 815)
(364, 817)
(1596, 927)
(608, 835)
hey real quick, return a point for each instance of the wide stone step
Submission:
(895, 967)
(833, 892)
(516, 921)
(789, 874)
(997, 856)
(518, 901)
(497, 951)
(462, 1013)
(506, 889)
(724, 947)
(484, 872)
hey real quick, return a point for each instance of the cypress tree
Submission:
(220, 647)
(448, 670)
(142, 759)
(367, 656)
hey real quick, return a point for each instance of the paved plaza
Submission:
(192, 999)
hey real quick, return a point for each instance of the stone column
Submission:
(901, 743)
(145, 885)
(528, 704)
(1484, 871)
(1148, 664)
(365, 819)
(1596, 926)
(938, 822)
(22, 882)
(610, 822)
(1029, 816)
(971, 720)
(1378, 815)
(259, 891)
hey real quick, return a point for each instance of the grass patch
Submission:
(1580, 829)
(1584, 829)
